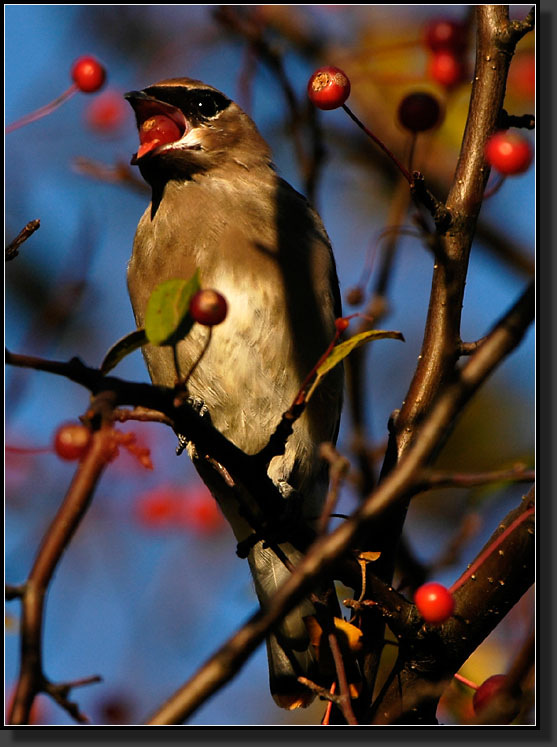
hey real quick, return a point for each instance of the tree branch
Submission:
(395, 488)
(31, 678)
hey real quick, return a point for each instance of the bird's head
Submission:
(187, 128)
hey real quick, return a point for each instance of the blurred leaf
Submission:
(166, 317)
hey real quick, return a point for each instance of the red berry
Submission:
(71, 441)
(200, 513)
(157, 130)
(489, 689)
(522, 76)
(208, 307)
(418, 112)
(445, 34)
(328, 87)
(116, 709)
(88, 74)
(509, 153)
(434, 602)
(446, 69)
(341, 323)
(158, 507)
(106, 112)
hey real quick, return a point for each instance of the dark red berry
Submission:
(445, 34)
(341, 323)
(88, 74)
(489, 689)
(509, 153)
(434, 602)
(447, 69)
(71, 441)
(355, 296)
(328, 87)
(208, 307)
(418, 112)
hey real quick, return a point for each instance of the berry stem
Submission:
(406, 174)
(489, 550)
(412, 150)
(28, 449)
(43, 110)
(465, 681)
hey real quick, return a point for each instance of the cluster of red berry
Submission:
(447, 41)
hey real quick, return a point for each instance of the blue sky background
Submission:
(109, 610)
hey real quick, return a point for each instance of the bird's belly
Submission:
(246, 376)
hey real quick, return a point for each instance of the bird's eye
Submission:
(207, 104)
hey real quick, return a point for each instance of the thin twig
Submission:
(321, 691)
(31, 679)
(12, 250)
(437, 478)
(338, 468)
(344, 696)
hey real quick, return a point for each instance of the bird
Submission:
(219, 207)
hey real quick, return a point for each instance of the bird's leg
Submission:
(201, 409)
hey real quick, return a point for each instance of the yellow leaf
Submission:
(340, 351)
(351, 634)
(369, 557)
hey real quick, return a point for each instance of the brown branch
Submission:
(395, 488)
(14, 592)
(338, 467)
(246, 470)
(345, 702)
(119, 173)
(321, 691)
(436, 478)
(31, 678)
(142, 415)
(12, 250)
(441, 345)
(480, 603)
(440, 348)
(525, 121)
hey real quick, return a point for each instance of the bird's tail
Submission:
(289, 649)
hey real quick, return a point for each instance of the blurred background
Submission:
(151, 585)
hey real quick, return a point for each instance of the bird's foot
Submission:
(201, 409)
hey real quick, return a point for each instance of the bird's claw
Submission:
(197, 404)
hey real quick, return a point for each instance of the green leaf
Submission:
(340, 351)
(166, 317)
(123, 347)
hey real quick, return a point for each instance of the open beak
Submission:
(158, 123)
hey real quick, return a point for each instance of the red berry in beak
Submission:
(157, 130)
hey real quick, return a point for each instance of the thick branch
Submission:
(500, 580)
(440, 348)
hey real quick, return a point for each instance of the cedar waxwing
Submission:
(219, 206)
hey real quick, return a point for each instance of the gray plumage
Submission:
(219, 205)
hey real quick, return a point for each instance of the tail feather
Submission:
(289, 649)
